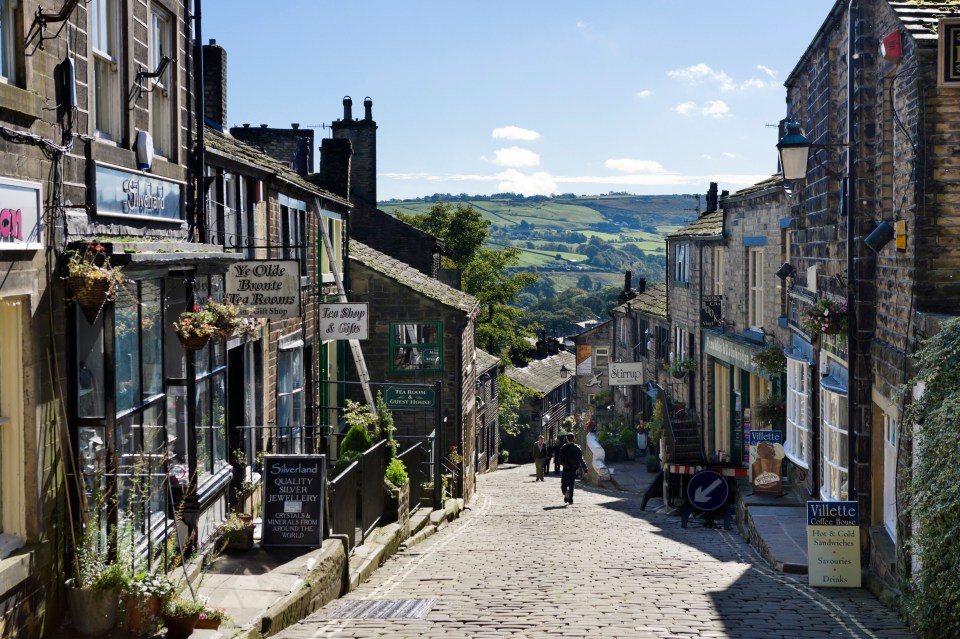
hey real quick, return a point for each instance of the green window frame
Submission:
(416, 347)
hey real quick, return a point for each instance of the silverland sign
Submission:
(626, 373)
(269, 287)
(293, 498)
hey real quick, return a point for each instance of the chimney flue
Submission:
(367, 108)
(263, 126)
(295, 126)
(347, 108)
(627, 281)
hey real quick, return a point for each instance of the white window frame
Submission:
(796, 444)
(755, 287)
(834, 478)
(890, 430)
(106, 61)
(717, 275)
(291, 384)
(680, 342)
(601, 357)
(8, 41)
(682, 262)
(161, 44)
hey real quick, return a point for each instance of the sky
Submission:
(537, 97)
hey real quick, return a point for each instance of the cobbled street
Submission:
(521, 564)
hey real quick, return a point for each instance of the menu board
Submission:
(293, 498)
(833, 544)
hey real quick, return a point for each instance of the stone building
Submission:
(488, 411)
(643, 335)
(551, 403)
(591, 385)
(421, 331)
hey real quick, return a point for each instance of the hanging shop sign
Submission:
(293, 499)
(137, 194)
(766, 457)
(269, 287)
(626, 373)
(343, 321)
(711, 310)
(20, 206)
(410, 398)
(833, 544)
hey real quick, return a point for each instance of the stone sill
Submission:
(16, 100)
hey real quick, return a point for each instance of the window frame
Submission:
(796, 440)
(8, 41)
(755, 288)
(107, 112)
(716, 280)
(601, 357)
(438, 345)
(834, 473)
(682, 263)
(162, 88)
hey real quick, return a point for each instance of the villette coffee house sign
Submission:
(20, 206)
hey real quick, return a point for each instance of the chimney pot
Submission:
(213, 42)
(246, 125)
(263, 126)
(347, 108)
(367, 108)
(295, 126)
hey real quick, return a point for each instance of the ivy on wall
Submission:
(933, 495)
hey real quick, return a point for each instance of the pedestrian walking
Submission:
(540, 458)
(571, 457)
(556, 454)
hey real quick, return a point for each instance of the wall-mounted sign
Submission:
(833, 544)
(948, 53)
(20, 206)
(137, 194)
(270, 287)
(410, 398)
(766, 462)
(731, 352)
(626, 373)
(711, 310)
(343, 321)
(584, 359)
(293, 498)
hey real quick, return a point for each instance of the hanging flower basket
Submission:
(230, 320)
(195, 328)
(91, 280)
(826, 317)
(194, 342)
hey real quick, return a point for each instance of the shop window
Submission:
(290, 399)
(210, 369)
(833, 411)
(755, 280)
(8, 41)
(798, 413)
(680, 340)
(107, 59)
(161, 44)
(416, 347)
(682, 263)
(722, 443)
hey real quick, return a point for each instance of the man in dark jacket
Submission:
(539, 457)
(571, 458)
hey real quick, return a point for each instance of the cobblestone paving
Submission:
(521, 564)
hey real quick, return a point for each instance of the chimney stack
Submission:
(215, 84)
(335, 166)
(347, 108)
(363, 163)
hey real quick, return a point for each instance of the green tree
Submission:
(461, 228)
(511, 395)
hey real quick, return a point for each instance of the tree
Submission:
(511, 395)
(462, 229)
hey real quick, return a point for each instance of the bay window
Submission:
(798, 412)
(833, 411)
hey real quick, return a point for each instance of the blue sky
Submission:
(528, 96)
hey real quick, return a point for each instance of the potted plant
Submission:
(195, 328)
(91, 280)
(825, 317)
(180, 615)
(679, 368)
(771, 360)
(504, 456)
(93, 593)
(771, 410)
(228, 320)
(211, 618)
(628, 440)
(143, 601)
(236, 533)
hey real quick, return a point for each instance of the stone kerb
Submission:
(595, 457)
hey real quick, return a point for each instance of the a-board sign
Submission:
(766, 462)
(410, 397)
(833, 544)
(293, 498)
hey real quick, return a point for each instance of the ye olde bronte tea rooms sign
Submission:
(269, 287)
(293, 500)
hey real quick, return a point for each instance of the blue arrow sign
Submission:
(707, 490)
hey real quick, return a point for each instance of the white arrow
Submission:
(704, 494)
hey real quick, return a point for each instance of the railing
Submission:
(412, 459)
(451, 478)
(371, 496)
(681, 432)
(343, 504)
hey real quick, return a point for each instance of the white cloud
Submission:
(515, 133)
(539, 183)
(581, 25)
(646, 93)
(767, 70)
(706, 156)
(516, 157)
(754, 83)
(729, 155)
(701, 72)
(685, 108)
(715, 109)
(627, 165)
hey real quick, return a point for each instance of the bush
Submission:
(385, 428)
(396, 472)
(345, 459)
(357, 440)
(628, 438)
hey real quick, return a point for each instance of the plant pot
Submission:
(94, 612)
(678, 374)
(241, 539)
(194, 342)
(180, 626)
(90, 294)
(208, 624)
(142, 613)
(653, 464)
(631, 453)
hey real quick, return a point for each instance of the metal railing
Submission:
(412, 459)
(343, 503)
(371, 496)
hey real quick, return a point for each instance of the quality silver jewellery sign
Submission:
(133, 193)
(293, 499)
(269, 287)
(343, 321)
(626, 373)
(20, 215)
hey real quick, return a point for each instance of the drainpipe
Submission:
(853, 279)
(200, 154)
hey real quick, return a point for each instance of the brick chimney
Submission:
(215, 84)
(335, 156)
(363, 165)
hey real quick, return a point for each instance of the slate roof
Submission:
(229, 147)
(543, 375)
(707, 225)
(410, 277)
(652, 301)
(485, 361)
(772, 182)
(920, 17)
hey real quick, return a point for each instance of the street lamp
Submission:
(564, 371)
(794, 149)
